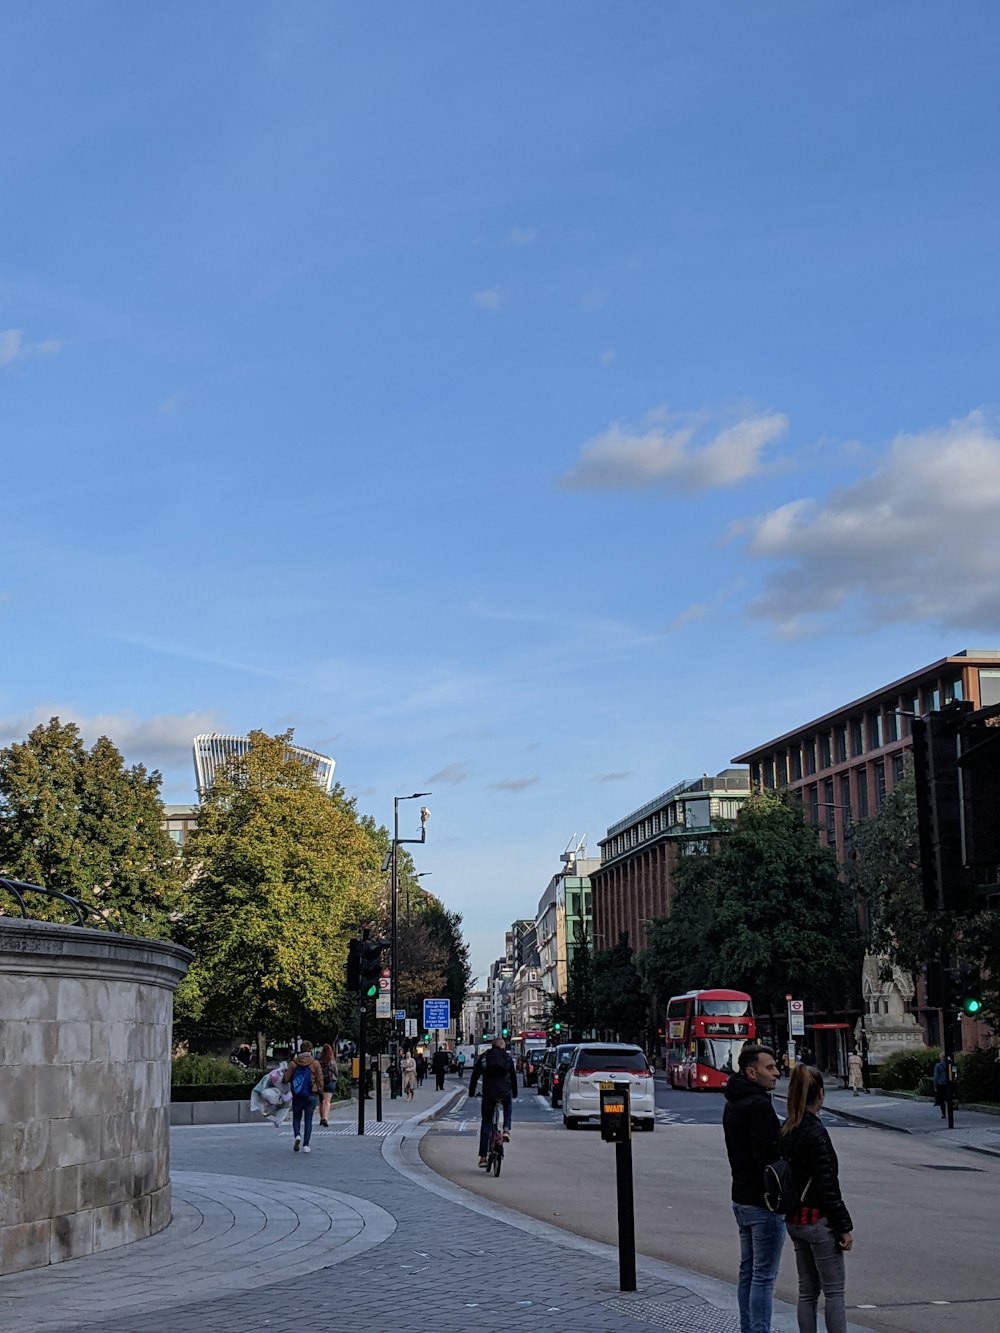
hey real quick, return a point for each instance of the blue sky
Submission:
(535, 404)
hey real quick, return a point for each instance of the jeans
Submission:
(486, 1124)
(762, 1234)
(820, 1263)
(300, 1106)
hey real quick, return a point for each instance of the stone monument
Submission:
(85, 1025)
(888, 1026)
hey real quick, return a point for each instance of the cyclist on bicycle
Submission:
(496, 1069)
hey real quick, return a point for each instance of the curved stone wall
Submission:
(85, 1023)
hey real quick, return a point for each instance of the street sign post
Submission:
(382, 1005)
(411, 1027)
(400, 1013)
(797, 1017)
(437, 1014)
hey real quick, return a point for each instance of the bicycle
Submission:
(494, 1156)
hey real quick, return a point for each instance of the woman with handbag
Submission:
(820, 1226)
(328, 1064)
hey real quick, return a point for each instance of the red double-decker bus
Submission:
(706, 1030)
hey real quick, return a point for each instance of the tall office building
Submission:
(212, 750)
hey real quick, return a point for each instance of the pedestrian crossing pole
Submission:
(616, 1128)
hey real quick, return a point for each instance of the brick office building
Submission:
(634, 883)
(843, 763)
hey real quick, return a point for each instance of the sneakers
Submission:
(482, 1162)
(297, 1144)
(325, 1124)
(506, 1136)
(307, 1148)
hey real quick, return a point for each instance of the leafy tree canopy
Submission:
(770, 911)
(81, 822)
(620, 1002)
(282, 874)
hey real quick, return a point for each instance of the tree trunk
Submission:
(261, 1050)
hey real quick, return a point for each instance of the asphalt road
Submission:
(926, 1218)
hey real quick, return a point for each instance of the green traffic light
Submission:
(371, 991)
(972, 1005)
(557, 1027)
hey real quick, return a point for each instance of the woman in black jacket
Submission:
(820, 1227)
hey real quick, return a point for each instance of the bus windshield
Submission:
(721, 1055)
(726, 1008)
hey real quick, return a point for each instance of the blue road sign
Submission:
(400, 1013)
(437, 1014)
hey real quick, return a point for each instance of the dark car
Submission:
(545, 1067)
(529, 1066)
(561, 1063)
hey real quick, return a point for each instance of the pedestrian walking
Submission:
(940, 1081)
(440, 1066)
(751, 1130)
(855, 1073)
(328, 1064)
(421, 1063)
(461, 1063)
(820, 1226)
(408, 1066)
(305, 1079)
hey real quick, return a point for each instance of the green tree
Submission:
(775, 913)
(81, 822)
(282, 875)
(446, 928)
(678, 956)
(620, 1001)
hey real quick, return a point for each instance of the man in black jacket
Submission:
(496, 1069)
(751, 1129)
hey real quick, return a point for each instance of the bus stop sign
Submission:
(616, 1113)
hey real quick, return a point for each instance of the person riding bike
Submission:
(496, 1069)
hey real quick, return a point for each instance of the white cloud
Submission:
(158, 741)
(14, 348)
(669, 455)
(917, 540)
(696, 611)
(488, 299)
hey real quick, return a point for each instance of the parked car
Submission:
(596, 1062)
(529, 1066)
(545, 1066)
(563, 1056)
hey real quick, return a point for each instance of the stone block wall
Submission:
(85, 1023)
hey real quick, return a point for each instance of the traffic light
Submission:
(353, 968)
(427, 1036)
(371, 965)
(969, 996)
(458, 1036)
(505, 1032)
(557, 1028)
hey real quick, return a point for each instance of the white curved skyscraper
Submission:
(213, 749)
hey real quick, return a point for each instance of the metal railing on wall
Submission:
(17, 889)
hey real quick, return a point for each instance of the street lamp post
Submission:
(394, 1077)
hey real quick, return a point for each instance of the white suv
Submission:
(597, 1062)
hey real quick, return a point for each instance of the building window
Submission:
(898, 768)
(830, 808)
(809, 757)
(781, 770)
(845, 797)
(840, 742)
(814, 804)
(825, 757)
(875, 730)
(891, 724)
(909, 708)
(879, 783)
(755, 774)
(952, 690)
(933, 699)
(768, 772)
(989, 686)
(861, 790)
(795, 763)
(857, 737)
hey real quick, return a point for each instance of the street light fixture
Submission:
(425, 814)
(423, 875)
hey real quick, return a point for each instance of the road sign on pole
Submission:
(411, 1027)
(383, 1006)
(797, 1017)
(437, 1014)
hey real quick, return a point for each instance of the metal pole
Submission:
(949, 1020)
(362, 1063)
(394, 932)
(378, 1084)
(626, 1204)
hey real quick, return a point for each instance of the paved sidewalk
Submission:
(357, 1234)
(974, 1130)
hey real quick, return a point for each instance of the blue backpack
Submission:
(302, 1082)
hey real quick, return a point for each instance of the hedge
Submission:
(195, 1069)
(906, 1071)
(210, 1092)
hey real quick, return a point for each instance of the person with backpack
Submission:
(751, 1129)
(818, 1221)
(305, 1079)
